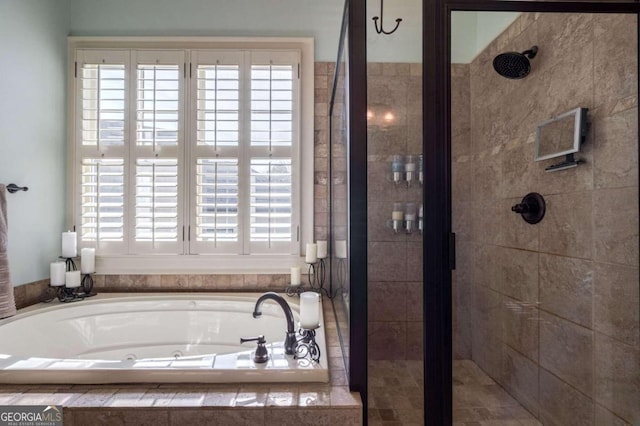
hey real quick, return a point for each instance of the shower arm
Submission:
(531, 53)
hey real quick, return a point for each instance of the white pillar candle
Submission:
(341, 249)
(296, 275)
(309, 310)
(69, 244)
(322, 249)
(57, 273)
(72, 279)
(312, 253)
(88, 260)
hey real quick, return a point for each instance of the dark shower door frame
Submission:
(438, 241)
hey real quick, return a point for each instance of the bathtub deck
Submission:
(195, 404)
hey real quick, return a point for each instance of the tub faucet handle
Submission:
(261, 356)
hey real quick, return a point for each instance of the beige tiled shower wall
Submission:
(30, 293)
(554, 307)
(394, 260)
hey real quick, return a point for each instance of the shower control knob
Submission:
(532, 208)
(520, 208)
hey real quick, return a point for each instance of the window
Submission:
(191, 151)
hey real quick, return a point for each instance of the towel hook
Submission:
(381, 17)
(13, 188)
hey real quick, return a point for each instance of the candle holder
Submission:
(341, 273)
(307, 346)
(87, 285)
(70, 263)
(294, 290)
(317, 277)
(70, 294)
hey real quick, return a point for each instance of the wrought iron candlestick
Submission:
(294, 290)
(70, 294)
(307, 346)
(87, 285)
(317, 277)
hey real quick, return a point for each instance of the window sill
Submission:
(197, 264)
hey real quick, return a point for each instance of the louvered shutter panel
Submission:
(217, 201)
(271, 201)
(102, 201)
(216, 152)
(101, 139)
(274, 103)
(157, 154)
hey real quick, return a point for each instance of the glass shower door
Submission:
(546, 315)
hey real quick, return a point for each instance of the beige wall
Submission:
(394, 260)
(553, 307)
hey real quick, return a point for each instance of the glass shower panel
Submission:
(395, 290)
(338, 198)
(546, 315)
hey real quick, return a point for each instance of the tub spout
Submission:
(290, 339)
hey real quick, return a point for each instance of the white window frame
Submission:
(108, 262)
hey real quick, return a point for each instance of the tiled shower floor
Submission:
(395, 396)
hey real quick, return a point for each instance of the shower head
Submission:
(514, 65)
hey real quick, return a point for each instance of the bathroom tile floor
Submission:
(396, 389)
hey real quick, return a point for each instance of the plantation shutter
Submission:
(273, 152)
(216, 87)
(157, 158)
(228, 184)
(101, 139)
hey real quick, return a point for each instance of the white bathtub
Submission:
(156, 338)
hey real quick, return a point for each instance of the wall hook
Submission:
(381, 17)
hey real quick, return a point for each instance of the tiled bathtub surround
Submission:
(31, 293)
(553, 308)
(394, 260)
(199, 404)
